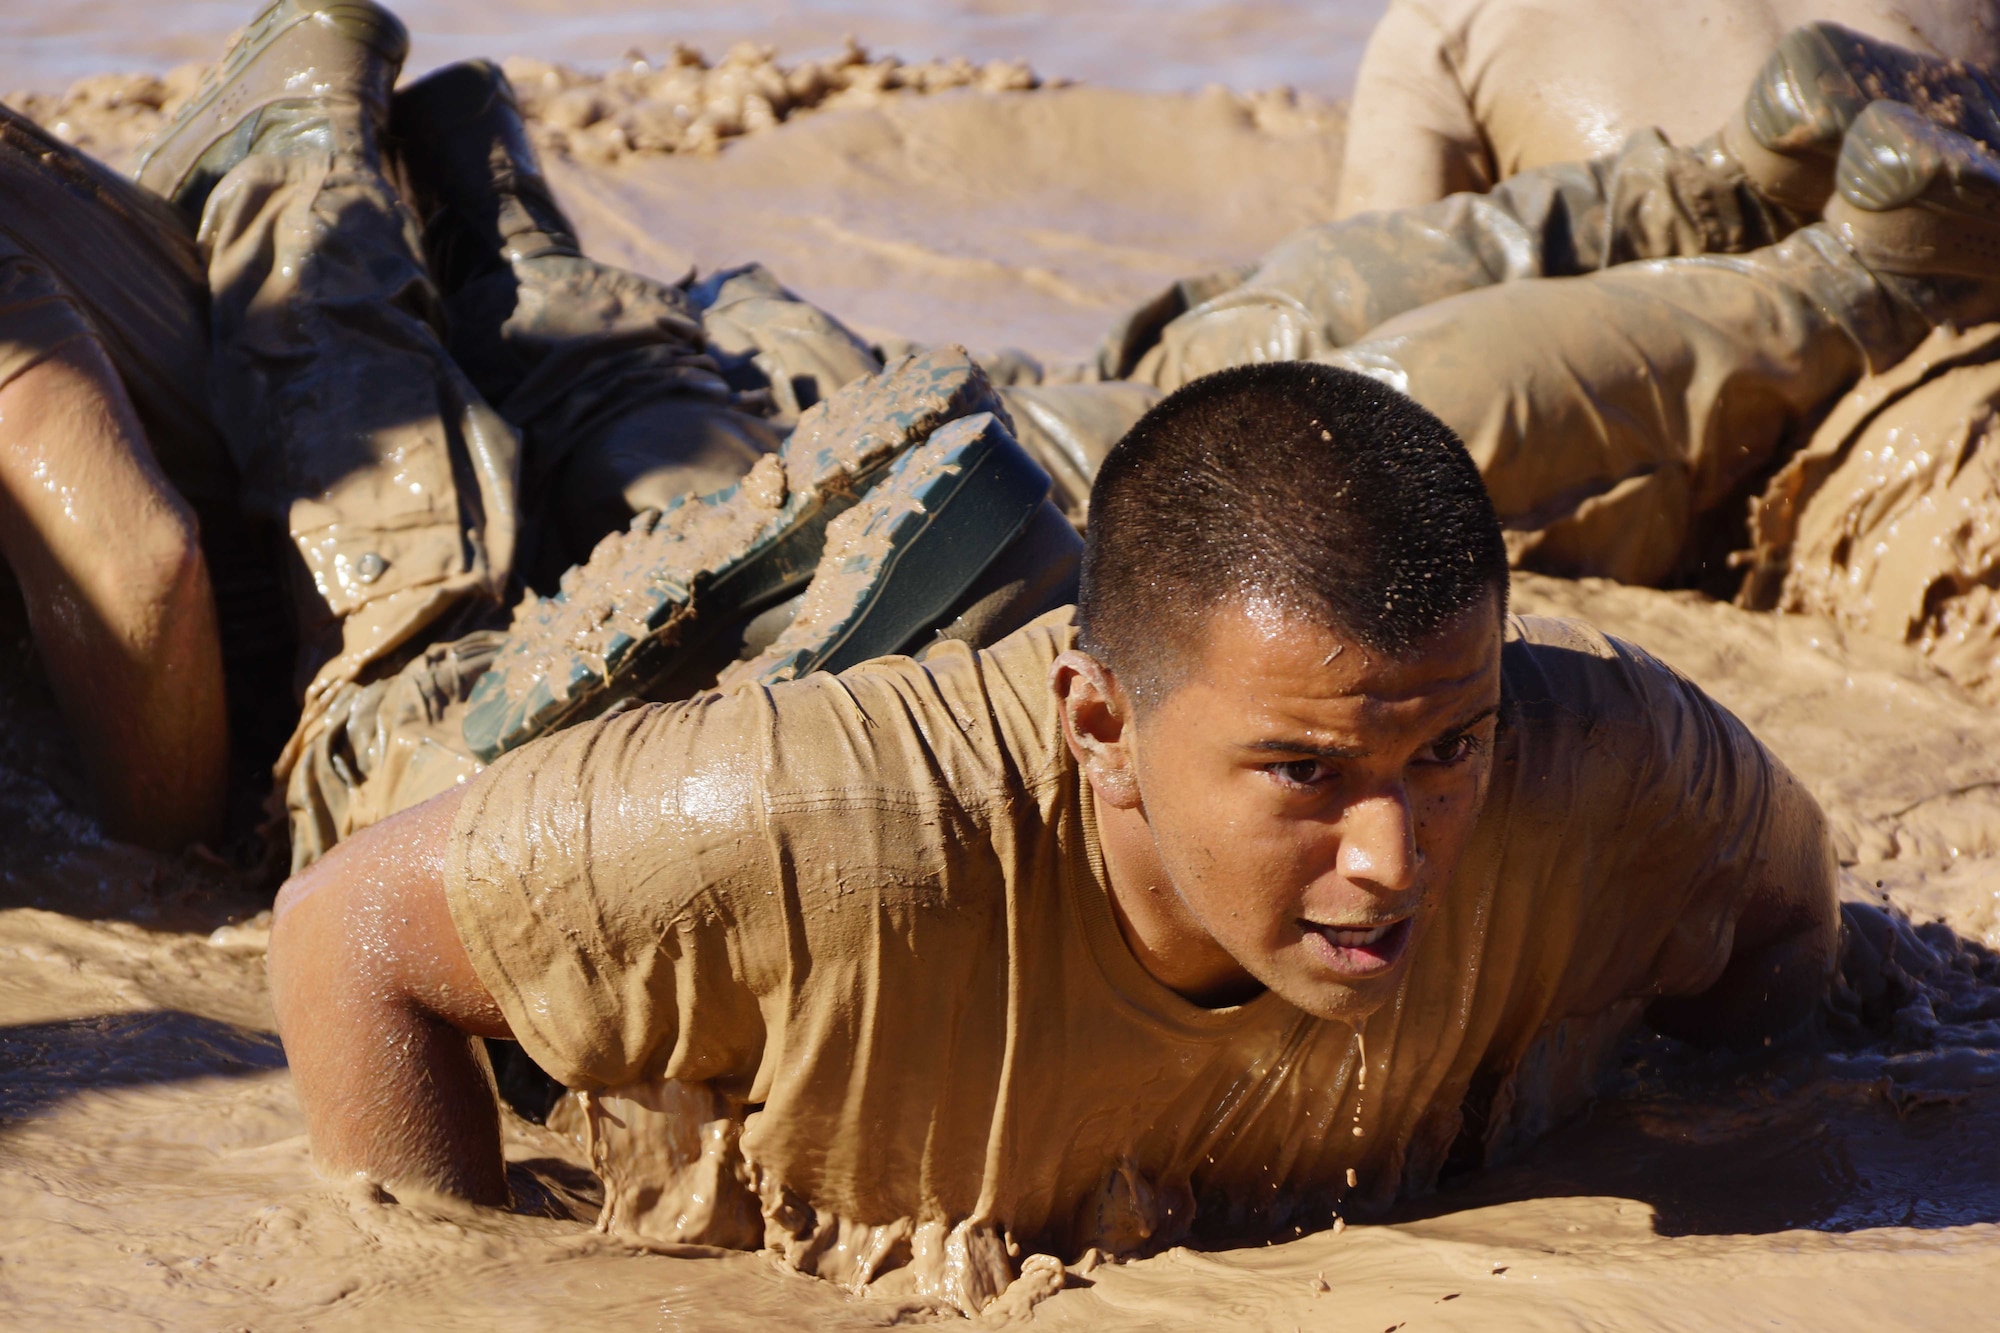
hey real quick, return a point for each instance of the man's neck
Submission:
(1158, 928)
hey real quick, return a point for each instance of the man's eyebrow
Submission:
(1337, 752)
(1306, 747)
(1469, 723)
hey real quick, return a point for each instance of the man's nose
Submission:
(1378, 842)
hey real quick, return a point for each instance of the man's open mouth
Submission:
(1358, 951)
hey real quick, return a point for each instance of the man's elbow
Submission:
(305, 957)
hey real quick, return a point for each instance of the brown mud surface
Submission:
(153, 1166)
(941, 202)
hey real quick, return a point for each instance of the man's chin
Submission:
(1339, 1001)
(1334, 983)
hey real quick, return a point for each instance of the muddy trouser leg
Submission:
(1327, 286)
(1609, 412)
(604, 372)
(605, 375)
(84, 253)
(351, 427)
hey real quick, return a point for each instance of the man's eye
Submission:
(1298, 772)
(1455, 749)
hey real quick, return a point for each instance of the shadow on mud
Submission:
(1894, 1122)
(42, 1064)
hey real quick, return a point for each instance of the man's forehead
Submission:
(1256, 646)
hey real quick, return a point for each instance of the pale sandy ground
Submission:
(153, 1171)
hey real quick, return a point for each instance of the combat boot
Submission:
(605, 373)
(639, 616)
(472, 177)
(1788, 134)
(297, 55)
(1917, 199)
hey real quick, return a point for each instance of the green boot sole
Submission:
(623, 618)
(898, 562)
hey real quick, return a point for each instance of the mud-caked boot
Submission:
(650, 599)
(900, 563)
(605, 372)
(295, 54)
(1917, 199)
(472, 177)
(1789, 131)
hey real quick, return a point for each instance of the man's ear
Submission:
(1097, 723)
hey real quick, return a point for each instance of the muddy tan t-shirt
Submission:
(866, 913)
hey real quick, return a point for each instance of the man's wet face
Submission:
(1307, 798)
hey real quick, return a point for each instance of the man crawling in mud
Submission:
(1281, 869)
(1287, 871)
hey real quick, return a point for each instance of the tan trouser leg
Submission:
(1607, 411)
(350, 424)
(1329, 285)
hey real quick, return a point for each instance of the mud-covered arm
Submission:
(1786, 939)
(380, 1009)
(109, 562)
(1694, 871)
(1412, 137)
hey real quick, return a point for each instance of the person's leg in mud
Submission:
(104, 456)
(625, 404)
(1324, 287)
(606, 373)
(350, 424)
(607, 377)
(1608, 413)
(1766, 173)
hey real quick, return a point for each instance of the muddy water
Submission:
(153, 1169)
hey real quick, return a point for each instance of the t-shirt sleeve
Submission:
(1671, 813)
(610, 886)
(1412, 137)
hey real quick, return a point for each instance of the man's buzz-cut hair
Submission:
(1318, 491)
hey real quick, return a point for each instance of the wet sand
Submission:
(153, 1169)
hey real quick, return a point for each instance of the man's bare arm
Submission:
(110, 566)
(379, 1008)
(1787, 938)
